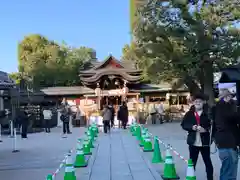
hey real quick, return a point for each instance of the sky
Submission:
(102, 25)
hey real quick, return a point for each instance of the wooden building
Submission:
(113, 81)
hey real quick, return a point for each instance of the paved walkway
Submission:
(39, 155)
(117, 157)
(172, 133)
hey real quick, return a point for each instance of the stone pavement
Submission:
(118, 157)
(39, 155)
(172, 133)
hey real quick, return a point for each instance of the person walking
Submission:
(123, 114)
(153, 113)
(227, 134)
(47, 115)
(113, 114)
(24, 118)
(107, 116)
(198, 126)
(65, 118)
(160, 111)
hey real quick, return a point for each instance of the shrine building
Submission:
(114, 81)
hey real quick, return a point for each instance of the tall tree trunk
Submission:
(208, 81)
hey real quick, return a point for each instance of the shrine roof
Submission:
(111, 60)
(98, 75)
(110, 66)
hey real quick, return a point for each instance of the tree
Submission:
(35, 51)
(189, 45)
(43, 62)
(15, 76)
(76, 59)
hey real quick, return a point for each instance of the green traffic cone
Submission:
(147, 145)
(80, 159)
(132, 128)
(138, 131)
(69, 173)
(79, 146)
(86, 149)
(169, 168)
(91, 143)
(190, 171)
(49, 177)
(69, 169)
(141, 142)
(69, 162)
(134, 131)
(139, 136)
(157, 156)
(95, 131)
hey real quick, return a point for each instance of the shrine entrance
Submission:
(111, 80)
(114, 100)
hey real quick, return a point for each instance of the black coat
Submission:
(189, 121)
(123, 113)
(65, 118)
(226, 125)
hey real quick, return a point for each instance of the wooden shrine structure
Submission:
(111, 80)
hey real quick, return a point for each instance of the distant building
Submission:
(5, 85)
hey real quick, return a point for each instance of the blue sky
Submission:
(103, 25)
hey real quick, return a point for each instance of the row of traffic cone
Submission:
(84, 147)
(169, 172)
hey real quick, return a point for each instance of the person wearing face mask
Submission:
(198, 125)
(227, 134)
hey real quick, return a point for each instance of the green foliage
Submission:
(16, 76)
(179, 43)
(45, 63)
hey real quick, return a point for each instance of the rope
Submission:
(168, 146)
(61, 165)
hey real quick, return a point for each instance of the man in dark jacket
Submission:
(24, 118)
(197, 123)
(65, 118)
(123, 114)
(226, 128)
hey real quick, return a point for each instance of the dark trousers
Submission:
(205, 151)
(66, 128)
(124, 124)
(24, 130)
(112, 122)
(106, 126)
(47, 126)
(154, 118)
